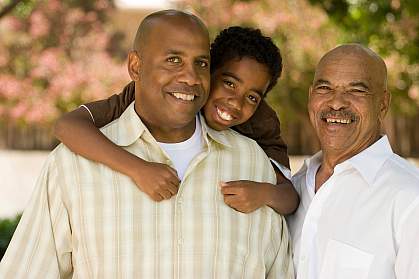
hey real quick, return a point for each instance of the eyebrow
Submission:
(354, 83)
(179, 52)
(229, 74)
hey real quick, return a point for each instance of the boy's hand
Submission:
(158, 181)
(245, 196)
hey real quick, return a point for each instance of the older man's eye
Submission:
(322, 89)
(174, 60)
(358, 91)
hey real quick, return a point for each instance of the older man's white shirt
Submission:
(363, 222)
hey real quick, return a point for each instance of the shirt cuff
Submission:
(284, 170)
(88, 110)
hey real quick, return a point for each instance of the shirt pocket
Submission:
(343, 261)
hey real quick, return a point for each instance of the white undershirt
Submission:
(182, 153)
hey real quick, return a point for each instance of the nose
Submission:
(338, 100)
(189, 75)
(235, 102)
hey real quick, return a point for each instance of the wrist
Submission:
(268, 194)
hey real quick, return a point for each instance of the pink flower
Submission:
(39, 24)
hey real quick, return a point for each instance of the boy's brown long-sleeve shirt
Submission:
(263, 126)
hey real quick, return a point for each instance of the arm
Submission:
(78, 132)
(41, 245)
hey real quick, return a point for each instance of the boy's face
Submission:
(237, 88)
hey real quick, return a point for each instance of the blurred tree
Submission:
(8, 6)
(54, 55)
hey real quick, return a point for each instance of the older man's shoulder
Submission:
(400, 178)
(399, 169)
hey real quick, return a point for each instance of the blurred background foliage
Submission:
(55, 55)
(7, 228)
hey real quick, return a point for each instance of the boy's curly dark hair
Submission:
(238, 42)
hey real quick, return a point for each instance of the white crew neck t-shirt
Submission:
(182, 153)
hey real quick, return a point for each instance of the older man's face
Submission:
(174, 73)
(347, 103)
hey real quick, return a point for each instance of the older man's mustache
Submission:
(340, 114)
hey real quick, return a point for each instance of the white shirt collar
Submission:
(368, 162)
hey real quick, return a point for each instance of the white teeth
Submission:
(342, 121)
(224, 115)
(185, 97)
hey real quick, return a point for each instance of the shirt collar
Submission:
(218, 136)
(369, 161)
(129, 128)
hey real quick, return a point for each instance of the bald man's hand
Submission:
(158, 181)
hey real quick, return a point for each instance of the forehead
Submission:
(344, 69)
(177, 34)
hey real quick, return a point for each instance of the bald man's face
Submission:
(173, 80)
(347, 103)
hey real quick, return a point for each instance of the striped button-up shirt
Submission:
(88, 221)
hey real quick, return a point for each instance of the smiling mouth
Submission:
(338, 120)
(182, 96)
(224, 115)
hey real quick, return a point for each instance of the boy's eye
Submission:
(174, 59)
(229, 83)
(254, 99)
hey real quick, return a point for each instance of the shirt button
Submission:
(179, 201)
(180, 241)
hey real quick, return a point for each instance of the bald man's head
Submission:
(167, 17)
(348, 100)
(376, 66)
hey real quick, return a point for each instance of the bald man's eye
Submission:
(174, 60)
(202, 63)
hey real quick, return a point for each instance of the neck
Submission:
(170, 134)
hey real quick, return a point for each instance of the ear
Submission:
(134, 65)
(385, 104)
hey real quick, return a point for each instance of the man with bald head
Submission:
(359, 210)
(87, 221)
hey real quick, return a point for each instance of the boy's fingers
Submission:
(172, 188)
(165, 194)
